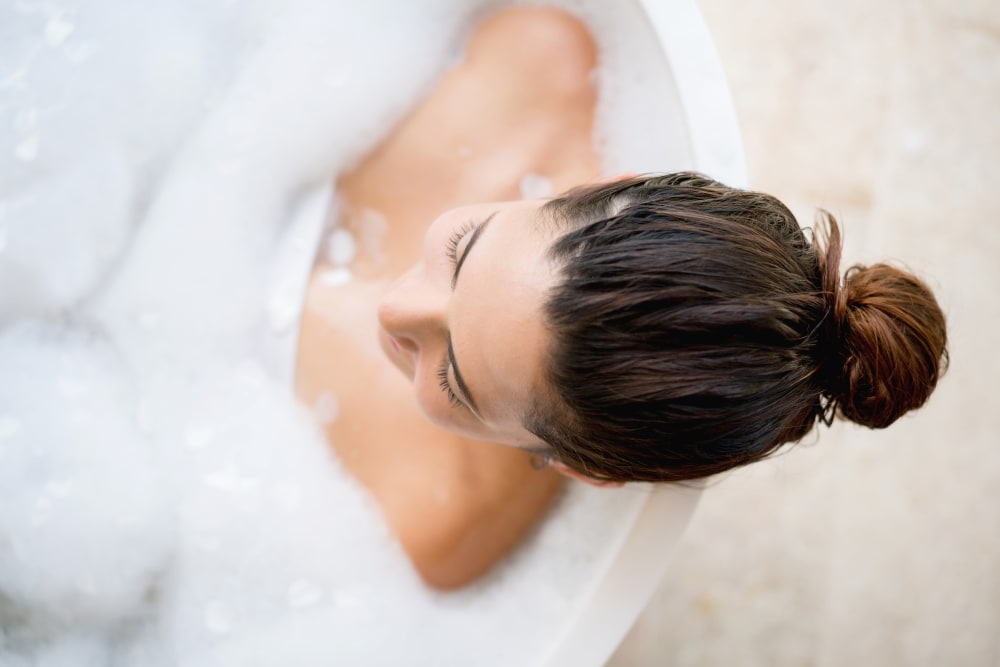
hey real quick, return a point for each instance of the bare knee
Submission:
(553, 46)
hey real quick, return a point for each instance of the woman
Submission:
(650, 328)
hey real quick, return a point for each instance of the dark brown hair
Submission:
(695, 329)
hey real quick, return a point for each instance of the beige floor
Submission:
(863, 548)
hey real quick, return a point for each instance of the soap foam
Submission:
(166, 499)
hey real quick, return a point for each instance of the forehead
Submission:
(497, 322)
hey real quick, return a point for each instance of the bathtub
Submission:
(87, 257)
(696, 84)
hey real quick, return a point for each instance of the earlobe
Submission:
(564, 469)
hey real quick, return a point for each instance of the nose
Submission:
(413, 311)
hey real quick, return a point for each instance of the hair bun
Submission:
(885, 340)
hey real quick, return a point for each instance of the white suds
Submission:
(341, 247)
(57, 30)
(167, 500)
(326, 408)
(535, 186)
(336, 277)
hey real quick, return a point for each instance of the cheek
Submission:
(431, 400)
(433, 405)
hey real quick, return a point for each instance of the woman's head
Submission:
(654, 328)
(466, 324)
(694, 328)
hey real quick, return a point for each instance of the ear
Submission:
(563, 469)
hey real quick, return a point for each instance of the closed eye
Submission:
(458, 259)
(456, 237)
(445, 385)
(462, 396)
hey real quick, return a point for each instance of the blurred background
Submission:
(856, 547)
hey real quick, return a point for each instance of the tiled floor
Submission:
(863, 548)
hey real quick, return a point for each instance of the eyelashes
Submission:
(451, 248)
(442, 374)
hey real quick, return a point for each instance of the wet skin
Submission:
(456, 504)
(465, 324)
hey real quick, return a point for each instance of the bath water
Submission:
(165, 499)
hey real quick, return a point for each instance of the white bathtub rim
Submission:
(619, 594)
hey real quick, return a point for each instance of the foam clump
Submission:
(85, 512)
(535, 186)
(54, 264)
(166, 499)
(70, 650)
(341, 247)
(86, 86)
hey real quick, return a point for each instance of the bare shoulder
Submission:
(521, 102)
(551, 43)
(454, 536)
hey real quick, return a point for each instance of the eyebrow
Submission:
(459, 381)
